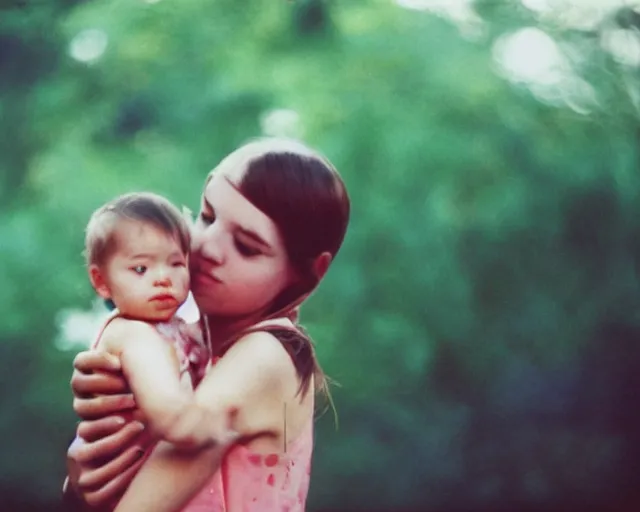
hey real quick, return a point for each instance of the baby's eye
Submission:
(179, 264)
(139, 269)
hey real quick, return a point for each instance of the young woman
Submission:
(273, 217)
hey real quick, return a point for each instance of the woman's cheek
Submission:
(196, 231)
(195, 240)
(186, 280)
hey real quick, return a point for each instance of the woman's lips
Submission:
(205, 278)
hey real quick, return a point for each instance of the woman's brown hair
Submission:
(307, 200)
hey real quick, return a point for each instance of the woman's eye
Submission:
(207, 218)
(139, 269)
(246, 250)
(179, 264)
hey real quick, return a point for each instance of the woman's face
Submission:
(238, 261)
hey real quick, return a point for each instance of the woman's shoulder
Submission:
(289, 335)
(258, 364)
(275, 384)
(260, 348)
(286, 343)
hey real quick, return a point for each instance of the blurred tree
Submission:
(482, 315)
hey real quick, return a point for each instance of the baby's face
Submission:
(147, 276)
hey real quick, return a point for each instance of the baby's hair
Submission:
(144, 207)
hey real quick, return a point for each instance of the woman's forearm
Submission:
(170, 478)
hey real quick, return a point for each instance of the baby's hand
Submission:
(229, 435)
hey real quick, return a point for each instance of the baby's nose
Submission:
(162, 279)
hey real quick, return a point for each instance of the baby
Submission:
(137, 250)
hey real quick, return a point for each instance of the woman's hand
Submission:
(100, 468)
(108, 454)
(98, 386)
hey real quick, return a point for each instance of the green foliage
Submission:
(492, 252)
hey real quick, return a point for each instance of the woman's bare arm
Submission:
(247, 386)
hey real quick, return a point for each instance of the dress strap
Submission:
(112, 316)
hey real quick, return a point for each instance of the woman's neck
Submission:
(222, 330)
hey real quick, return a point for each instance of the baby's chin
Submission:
(163, 316)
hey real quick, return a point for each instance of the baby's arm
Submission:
(151, 369)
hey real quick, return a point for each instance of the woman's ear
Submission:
(321, 264)
(98, 282)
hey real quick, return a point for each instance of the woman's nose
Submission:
(212, 245)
